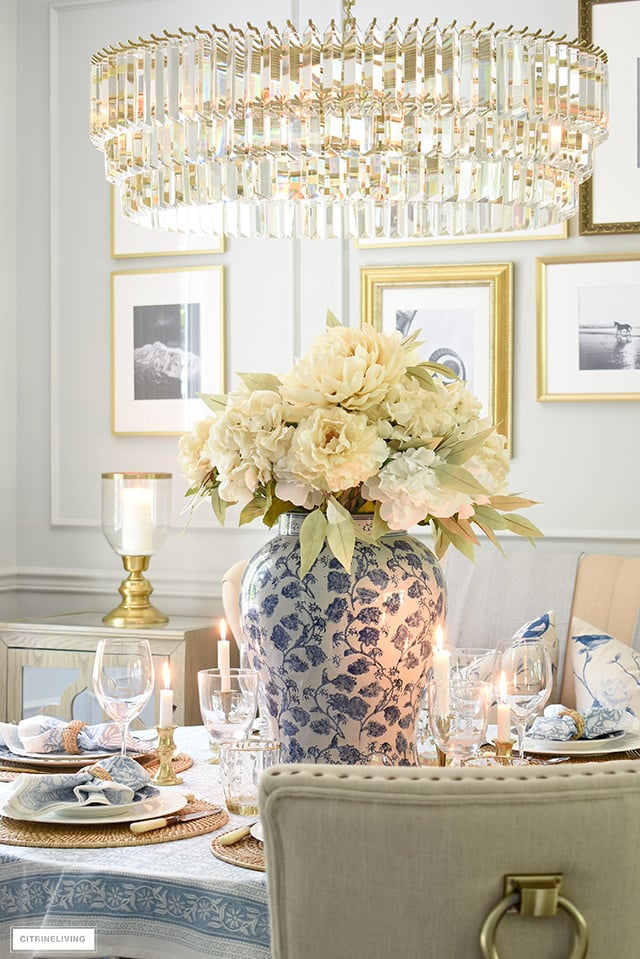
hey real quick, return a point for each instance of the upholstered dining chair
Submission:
(373, 862)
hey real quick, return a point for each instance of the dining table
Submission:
(165, 900)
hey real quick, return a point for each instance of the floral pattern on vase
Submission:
(343, 656)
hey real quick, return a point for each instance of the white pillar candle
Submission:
(503, 712)
(223, 658)
(136, 504)
(442, 671)
(166, 699)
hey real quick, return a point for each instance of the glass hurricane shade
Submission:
(136, 511)
(349, 133)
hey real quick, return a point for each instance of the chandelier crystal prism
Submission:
(375, 133)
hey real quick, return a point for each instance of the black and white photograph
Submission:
(168, 347)
(463, 316)
(588, 327)
(607, 337)
(166, 351)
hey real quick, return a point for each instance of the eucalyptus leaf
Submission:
(459, 527)
(449, 475)
(260, 381)
(336, 512)
(454, 446)
(488, 532)
(507, 504)
(490, 516)
(312, 536)
(461, 543)
(341, 538)
(522, 526)
(445, 371)
(332, 320)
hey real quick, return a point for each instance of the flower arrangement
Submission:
(358, 426)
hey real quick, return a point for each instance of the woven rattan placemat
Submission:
(51, 835)
(248, 853)
(151, 762)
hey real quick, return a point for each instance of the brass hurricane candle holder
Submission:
(136, 516)
(166, 748)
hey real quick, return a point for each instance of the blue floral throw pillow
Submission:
(544, 627)
(606, 672)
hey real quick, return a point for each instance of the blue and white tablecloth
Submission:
(162, 901)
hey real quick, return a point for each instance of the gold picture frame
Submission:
(588, 348)
(610, 199)
(129, 241)
(469, 304)
(167, 346)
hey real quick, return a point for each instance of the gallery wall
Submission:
(580, 459)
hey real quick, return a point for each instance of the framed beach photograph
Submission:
(167, 347)
(610, 200)
(588, 327)
(464, 313)
(130, 240)
(559, 231)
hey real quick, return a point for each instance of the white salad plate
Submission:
(162, 805)
(618, 743)
(256, 831)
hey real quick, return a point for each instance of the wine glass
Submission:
(228, 703)
(458, 717)
(475, 664)
(528, 677)
(123, 680)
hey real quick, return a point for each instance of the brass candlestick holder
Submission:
(504, 751)
(166, 748)
(135, 610)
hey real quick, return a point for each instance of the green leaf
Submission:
(459, 527)
(508, 503)
(422, 376)
(459, 478)
(380, 526)
(522, 526)
(411, 340)
(276, 507)
(336, 512)
(454, 447)
(215, 401)
(341, 538)
(312, 536)
(463, 545)
(486, 529)
(252, 510)
(219, 505)
(260, 381)
(445, 371)
(332, 320)
(490, 516)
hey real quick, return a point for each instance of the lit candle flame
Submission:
(222, 628)
(502, 687)
(439, 637)
(166, 675)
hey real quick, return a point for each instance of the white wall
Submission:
(8, 260)
(580, 459)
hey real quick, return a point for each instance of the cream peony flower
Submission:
(246, 440)
(194, 460)
(333, 450)
(412, 413)
(408, 490)
(352, 368)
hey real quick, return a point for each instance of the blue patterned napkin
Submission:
(45, 734)
(128, 782)
(597, 722)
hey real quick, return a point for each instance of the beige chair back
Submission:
(607, 595)
(371, 862)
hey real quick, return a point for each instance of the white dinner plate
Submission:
(583, 747)
(51, 760)
(256, 831)
(161, 805)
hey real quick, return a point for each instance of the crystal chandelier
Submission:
(349, 133)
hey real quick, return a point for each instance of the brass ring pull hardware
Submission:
(533, 896)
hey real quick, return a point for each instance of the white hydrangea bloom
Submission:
(195, 462)
(410, 412)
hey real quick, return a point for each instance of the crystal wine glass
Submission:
(528, 677)
(458, 717)
(123, 680)
(228, 703)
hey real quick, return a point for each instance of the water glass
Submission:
(475, 664)
(458, 717)
(527, 669)
(228, 703)
(241, 765)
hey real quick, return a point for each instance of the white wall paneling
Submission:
(580, 460)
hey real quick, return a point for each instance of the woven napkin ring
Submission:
(70, 737)
(578, 720)
(99, 772)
